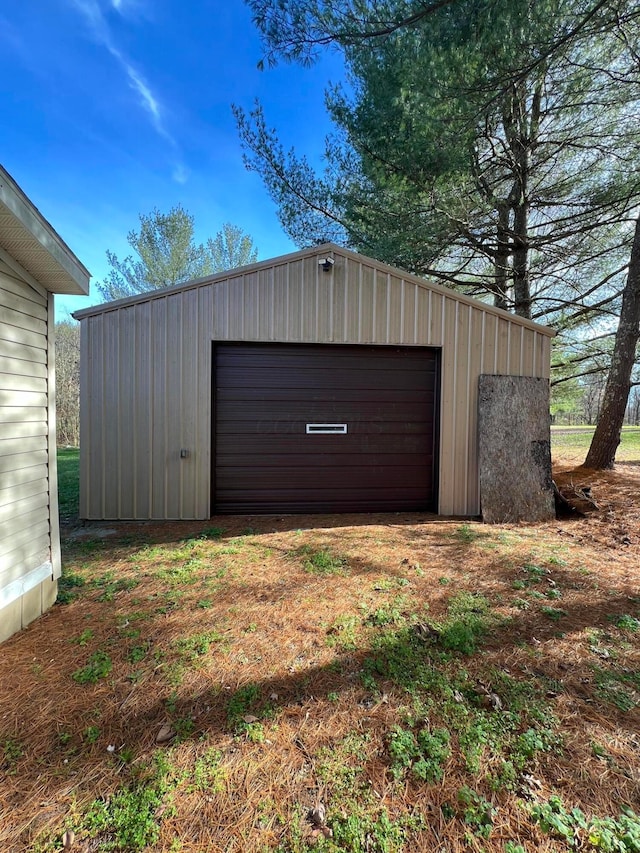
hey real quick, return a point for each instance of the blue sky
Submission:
(120, 106)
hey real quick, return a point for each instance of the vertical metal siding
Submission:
(127, 415)
(147, 373)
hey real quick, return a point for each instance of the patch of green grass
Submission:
(242, 703)
(137, 653)
(343, 633)
(466, 534)
(129, 820)
(197, 645)
(628, 623)
(208, 775)
(424, 754)
(111, 585)
(321, 562)
(384, 585)
(211, 533)
(11, 751)
(620, 688)
(98, 666)
(68, 482)
(68, 586)
(500, 728)
(175, 575)
(357, 821)
(468, 620)
(555, 613)
(83, 638)
(390, 614)
(91, 734)
(255, 732)
(362, 829)
(477, 812)
(575, 829)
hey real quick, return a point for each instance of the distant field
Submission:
(571, 443)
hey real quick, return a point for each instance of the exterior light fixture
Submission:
(326, 264)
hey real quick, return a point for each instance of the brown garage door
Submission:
(324, 428)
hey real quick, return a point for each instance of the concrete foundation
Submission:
(28, 607)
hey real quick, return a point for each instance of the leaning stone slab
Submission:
(514, 443)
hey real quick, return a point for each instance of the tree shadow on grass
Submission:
(135, 700)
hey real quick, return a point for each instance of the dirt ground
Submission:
(191, 617)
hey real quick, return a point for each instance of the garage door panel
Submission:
(246, 431)
(310, 357)
(367, 477)
(359, 381)
(304, 412)
(325, 500)
(266, 394)
(424, 395)
(234, 448)
(284, 459)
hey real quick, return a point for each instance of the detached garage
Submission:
(34, 265)
(321, 381)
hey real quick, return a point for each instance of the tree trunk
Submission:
(521, 278)
(521, 131)
(502, 258)
(606, 438)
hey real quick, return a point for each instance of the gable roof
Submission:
(27, 237)
(321, 251)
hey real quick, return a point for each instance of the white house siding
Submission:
(26, 564)
(146, 370)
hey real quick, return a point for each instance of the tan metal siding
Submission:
(25, 421)
(146, 371)
(127, 438)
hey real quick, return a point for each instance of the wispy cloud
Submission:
(144, 91)
(136, 8)
(180, 174)
(92, 12)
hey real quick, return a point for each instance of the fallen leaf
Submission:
(426, 632)
(165, 734)
(496, 702)
(317, 815)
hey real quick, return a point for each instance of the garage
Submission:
(324, 428)
(317, 381)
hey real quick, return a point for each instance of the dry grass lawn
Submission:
(371, 683)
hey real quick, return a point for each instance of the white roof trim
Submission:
(35, 245)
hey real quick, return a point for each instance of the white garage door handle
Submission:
(327, 429)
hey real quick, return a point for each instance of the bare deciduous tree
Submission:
(68, 382)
